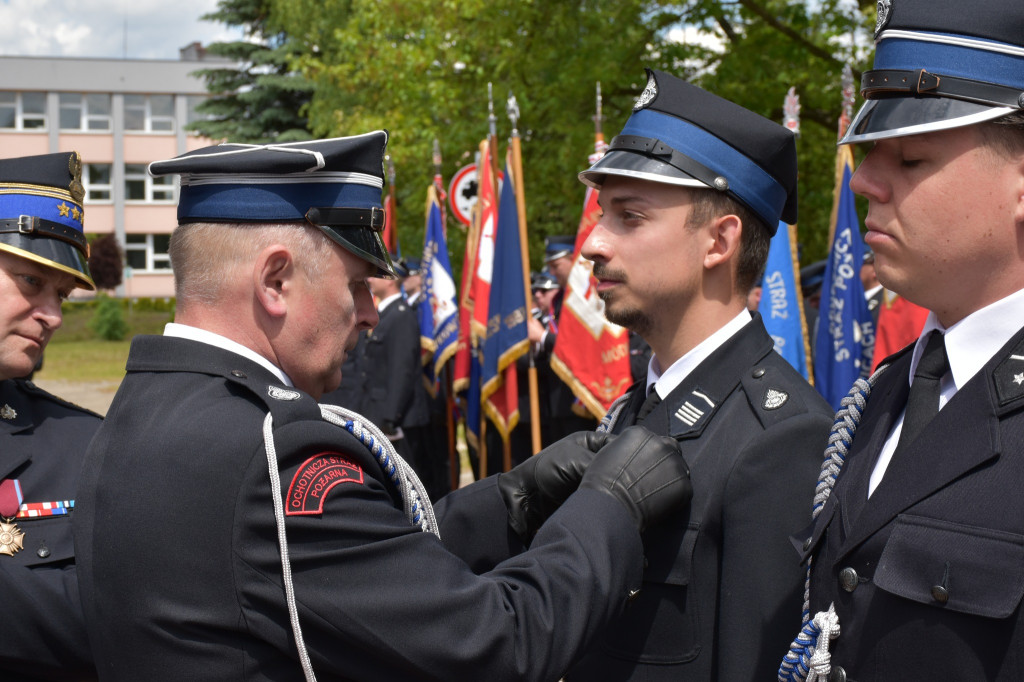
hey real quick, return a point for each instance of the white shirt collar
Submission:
(388, 301)
(184, 331)
(665, 383)
(972, 341)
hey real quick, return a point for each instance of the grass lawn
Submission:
(76, 354)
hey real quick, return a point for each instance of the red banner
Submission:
(591, 354)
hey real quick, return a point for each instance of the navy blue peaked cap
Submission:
(682, 135)
(334, 184)
(941, 64)
(41, 212)
(559, 246)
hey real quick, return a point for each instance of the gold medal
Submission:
(12, 540)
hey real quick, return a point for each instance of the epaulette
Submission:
(30, 387)
(770, 397)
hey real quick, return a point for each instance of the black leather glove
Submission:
(533, 490)
(645, 472)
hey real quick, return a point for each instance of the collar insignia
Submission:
(648, 95)
(1018, 378)
(8, 412)
(278, 393)
(884, 12)
(775, 399)
(689, 413)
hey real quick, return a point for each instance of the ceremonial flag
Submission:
(506, 338)
(591, 354)
(781, 305)
(899, 323)
(438, 312)
(846, 335)
(390, 235)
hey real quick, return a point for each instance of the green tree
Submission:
(420, 69)
(256, 96)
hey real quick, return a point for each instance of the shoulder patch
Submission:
(774, 399)
(315, 478)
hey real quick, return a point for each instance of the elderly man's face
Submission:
(30, 298)
(326, 319)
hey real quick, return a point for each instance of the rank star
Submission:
(63, 208)
(1018, 378)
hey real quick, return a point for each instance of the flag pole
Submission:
(517, 173)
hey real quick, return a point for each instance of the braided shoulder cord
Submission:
(806, 661)
(418, 509)
(612, 416)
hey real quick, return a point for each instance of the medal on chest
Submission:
(12, 539)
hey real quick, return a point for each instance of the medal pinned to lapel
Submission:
(8, 412)
(12, 540)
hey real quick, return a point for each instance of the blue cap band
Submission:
(15, 200)
(747, 180)
(268, 202)
(951, 55)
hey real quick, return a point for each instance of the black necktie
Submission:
(651, 402)
(923, 401)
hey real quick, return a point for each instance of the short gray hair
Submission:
(203, 254)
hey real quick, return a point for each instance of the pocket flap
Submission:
(963, 568)
(670, 554)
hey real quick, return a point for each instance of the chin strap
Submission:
(809, 658)
(417, 505)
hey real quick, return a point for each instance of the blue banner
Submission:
(506, 312)
(846, 334)
(780, 302)
(438, 311)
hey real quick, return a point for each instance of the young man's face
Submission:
(30, 298)
(943, 211)
(647, 262)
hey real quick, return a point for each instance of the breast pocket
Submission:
(662, 624)
(978, 571)
(47, 540)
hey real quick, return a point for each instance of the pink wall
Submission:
(92, 148)
(13, 145)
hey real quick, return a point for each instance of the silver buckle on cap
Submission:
(27, 224)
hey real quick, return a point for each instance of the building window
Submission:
(193, 102)
(147, 252)
(140, 186)
(23, 110)
(96, 179)
(85, 112)
(149, 113)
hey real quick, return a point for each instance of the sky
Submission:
(136, 29)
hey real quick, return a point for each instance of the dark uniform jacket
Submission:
(181, 573)
(721, 587)
(391, 370)
(42, 635)
(927, 578)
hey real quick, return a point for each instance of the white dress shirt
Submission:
(185, 331)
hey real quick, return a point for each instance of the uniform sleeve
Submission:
(474, 525)
(380, 600)
(42, 633)
(767, 498)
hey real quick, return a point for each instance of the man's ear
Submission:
(272, 274)
(726, 233)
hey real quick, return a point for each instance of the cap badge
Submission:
(8, 412)
(884, 12)
(648, 95)
(278, 393)
(774, 399)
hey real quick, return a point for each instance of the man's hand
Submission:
(645, 472)
(533, 490)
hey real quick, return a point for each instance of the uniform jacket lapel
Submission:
(11, 458)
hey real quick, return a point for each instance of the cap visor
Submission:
(364, 242)
(52, 253)
(879, 119)
(630, 165)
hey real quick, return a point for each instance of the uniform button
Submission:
(43, 551)
(758, 373)
(238, 374)
(940, 594)
(807, 544)
(848, 579)
(837, 674)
